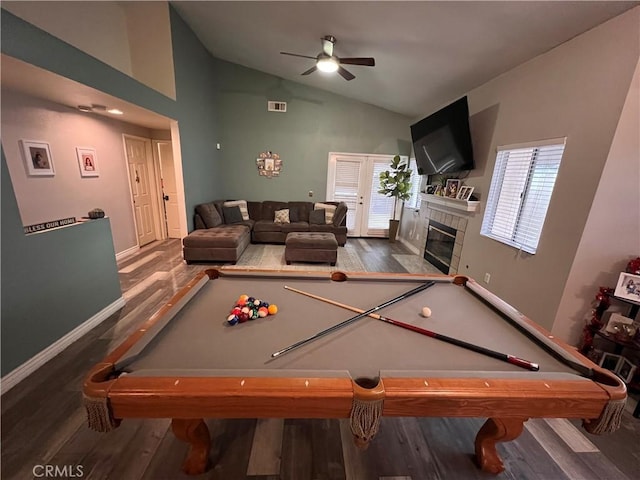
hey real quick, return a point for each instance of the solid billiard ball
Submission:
(273, 309)
(426, 312)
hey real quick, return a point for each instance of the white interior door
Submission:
(169, 188)
(142, 181)
(355, 180)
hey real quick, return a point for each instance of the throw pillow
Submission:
(317, 217)
(282, 216)
(329, 211)
(232, 214)
(293, 215)
(243, 207)
(209, 215)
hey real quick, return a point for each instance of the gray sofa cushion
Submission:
(209, 215)
(267, 226)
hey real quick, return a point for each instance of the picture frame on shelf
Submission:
(617, 322)
(628, 287)
(87, 161)
(626, 370)
(452, 188)
(465, 193)
(37, 158)
(610, 361)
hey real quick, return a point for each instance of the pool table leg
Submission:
(493, 431)
(195, 432)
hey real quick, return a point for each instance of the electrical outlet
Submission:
(487, 277)
(218, 146)
(311, 193)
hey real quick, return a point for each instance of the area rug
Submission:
(271, 257)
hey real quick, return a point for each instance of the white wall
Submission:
(40, 198)
(576, 90)
(117, 33)
(611, 236)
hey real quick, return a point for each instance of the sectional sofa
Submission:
(224, 228)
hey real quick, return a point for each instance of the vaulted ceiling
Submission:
(426, 53)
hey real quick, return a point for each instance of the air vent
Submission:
(276, 106)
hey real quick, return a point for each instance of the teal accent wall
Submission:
(316, 122)
(52, 281)
(196, 95)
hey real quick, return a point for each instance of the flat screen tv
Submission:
(442, 141)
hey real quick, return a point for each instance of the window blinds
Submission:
(520, 193)
(380, 206)
(346, 187)
(414, 201)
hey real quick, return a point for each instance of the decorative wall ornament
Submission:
(269, 164)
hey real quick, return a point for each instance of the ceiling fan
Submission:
(326, 61)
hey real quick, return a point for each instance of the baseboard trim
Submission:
(14, 377)
(413, 248)
(127, 253)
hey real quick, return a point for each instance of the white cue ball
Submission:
(426, 312)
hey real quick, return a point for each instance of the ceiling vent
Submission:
(276, 106)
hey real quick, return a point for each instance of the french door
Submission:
(355, 180)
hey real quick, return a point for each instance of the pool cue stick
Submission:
(520, 362)
(422, 287)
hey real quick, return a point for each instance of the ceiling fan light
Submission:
(327, 65)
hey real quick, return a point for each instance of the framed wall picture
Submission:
(626, 370)
(610, 361)
(87, 161)
(465, 193)
(452, 188)
(37, 158)
(628, 287)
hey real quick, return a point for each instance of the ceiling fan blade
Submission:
(347, 75)
(297, 55)
(365, 61)
(311, 70)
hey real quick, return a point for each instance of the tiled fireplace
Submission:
(443, 223)
(445, 234)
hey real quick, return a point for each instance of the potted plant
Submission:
(396, 182)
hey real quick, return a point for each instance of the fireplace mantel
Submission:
(453, 203)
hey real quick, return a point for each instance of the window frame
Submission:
(525, 230)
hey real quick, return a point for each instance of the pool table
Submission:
(187, 363)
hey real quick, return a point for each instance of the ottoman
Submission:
(219, 244)
(311, 247)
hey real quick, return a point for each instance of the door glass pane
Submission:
(380, 206)
(346, 187)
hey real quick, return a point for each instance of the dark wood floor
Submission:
(43, 422)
